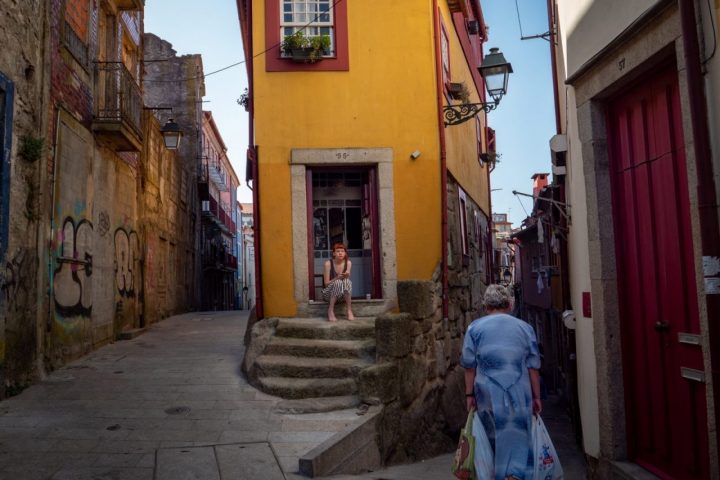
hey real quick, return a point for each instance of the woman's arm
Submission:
(326, 273)
(470, 388)
(349, 269)
(535, 386)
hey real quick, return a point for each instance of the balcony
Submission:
(218, 214)
(118, 111)
(219, 259)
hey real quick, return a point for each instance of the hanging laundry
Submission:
(555, 244)
(540, 231)
(540, 282)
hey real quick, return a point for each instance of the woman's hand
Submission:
(536, 406)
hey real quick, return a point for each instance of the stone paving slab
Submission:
(132, 408)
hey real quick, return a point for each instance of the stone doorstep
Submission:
(360, 308)
(631, 471)
(130, 334)
(352, 450)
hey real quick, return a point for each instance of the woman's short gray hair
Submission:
(496, 297)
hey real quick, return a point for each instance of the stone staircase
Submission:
(311, 358)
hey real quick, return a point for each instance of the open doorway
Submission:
(344, 210)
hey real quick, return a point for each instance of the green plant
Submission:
(30, 148)
(315, 47)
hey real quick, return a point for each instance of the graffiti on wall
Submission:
(14, 280)
(126, 256)
(72, 282)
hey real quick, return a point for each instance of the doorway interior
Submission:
(344, 210)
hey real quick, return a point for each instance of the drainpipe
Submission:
(707, 196)
(443, 160)
(491, 244)
(255, 168)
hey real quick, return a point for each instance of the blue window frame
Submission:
(6, 122)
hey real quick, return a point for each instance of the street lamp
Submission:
(495, 71)
(171, 134)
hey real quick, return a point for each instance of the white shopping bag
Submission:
(547, 463)
(484, 458)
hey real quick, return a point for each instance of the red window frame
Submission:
(274, 62)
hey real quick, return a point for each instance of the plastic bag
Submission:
(547, 463)
(484, 457)
(462, 466)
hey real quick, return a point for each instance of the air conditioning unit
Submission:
(558, 151)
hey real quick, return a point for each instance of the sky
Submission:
(524, 121)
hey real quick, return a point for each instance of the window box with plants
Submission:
(304, 49)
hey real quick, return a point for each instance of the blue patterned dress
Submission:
(501, 348)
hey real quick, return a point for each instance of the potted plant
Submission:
(305, 49)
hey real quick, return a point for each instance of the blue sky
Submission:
(524, 121)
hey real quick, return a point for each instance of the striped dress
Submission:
(336, 287)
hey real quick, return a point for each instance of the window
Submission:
(313, 17)
(74, 29)
(445, 60)
(478, 137)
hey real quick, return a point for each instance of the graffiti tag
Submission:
(126, 253)
(72, 285)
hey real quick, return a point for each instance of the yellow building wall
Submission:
(386, 99)
(460, 140)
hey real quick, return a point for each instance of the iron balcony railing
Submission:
(118, 96)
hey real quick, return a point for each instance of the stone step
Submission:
(308, 387)
(309, 367)
(304, 347)
(361, 308)
(316, 405)
(321, 329)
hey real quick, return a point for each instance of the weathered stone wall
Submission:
(84, 220)
(417, 377)
(167, 230)
(23, 69)
(184, 96)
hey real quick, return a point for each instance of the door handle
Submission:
(662, 327)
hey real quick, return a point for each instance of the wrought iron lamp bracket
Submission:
(461, 113)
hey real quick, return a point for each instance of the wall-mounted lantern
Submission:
(171, 134)
(495, 71)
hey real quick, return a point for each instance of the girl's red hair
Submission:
(338, 246)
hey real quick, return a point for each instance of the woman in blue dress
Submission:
(501, 360)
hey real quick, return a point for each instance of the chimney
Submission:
(540, 181)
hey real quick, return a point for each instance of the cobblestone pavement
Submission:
(172, 404)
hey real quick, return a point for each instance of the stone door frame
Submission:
(382, 158)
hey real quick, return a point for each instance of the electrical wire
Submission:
(517, 8)
(523, 206)
(712, 23)
(332, 7)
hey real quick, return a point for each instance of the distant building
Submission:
(218, 185)
(246, 262)
(504, 249)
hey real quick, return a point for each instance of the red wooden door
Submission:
(665, 406)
